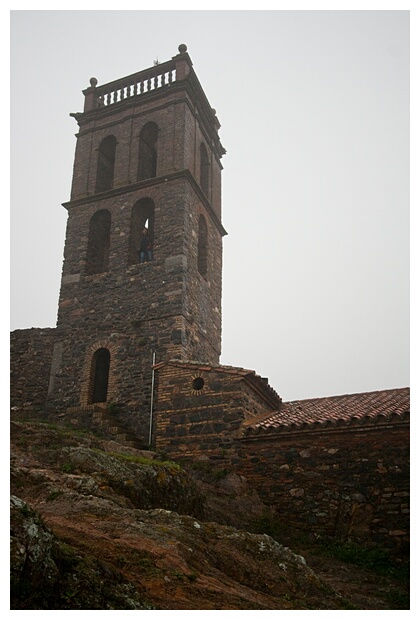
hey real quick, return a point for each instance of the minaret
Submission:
(148, 156)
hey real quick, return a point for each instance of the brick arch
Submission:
(88, 374)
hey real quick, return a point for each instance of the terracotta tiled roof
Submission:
(366, 408)
(259, 384)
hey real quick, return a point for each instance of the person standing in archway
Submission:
(146, 252)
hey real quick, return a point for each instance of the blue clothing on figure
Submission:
(145, 252)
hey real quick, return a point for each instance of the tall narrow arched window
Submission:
(97, 257)
(99, 375)
(204, 169)
(142, 216)
(202, 246)
(147, 163)
(106, 164)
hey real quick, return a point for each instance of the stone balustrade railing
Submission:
(156, 77)
(135, 85)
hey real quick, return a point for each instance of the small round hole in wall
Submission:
(198, 383)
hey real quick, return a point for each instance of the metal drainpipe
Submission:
(151, 400)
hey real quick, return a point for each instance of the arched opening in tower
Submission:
(142, 216)
(100, 372)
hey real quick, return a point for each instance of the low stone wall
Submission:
(349, 484)
(31, 352)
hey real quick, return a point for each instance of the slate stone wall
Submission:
(352, 483)
(31, 352)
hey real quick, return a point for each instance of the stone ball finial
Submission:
(93, 82)
(182, 48)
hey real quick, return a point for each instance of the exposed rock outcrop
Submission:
(96, 525)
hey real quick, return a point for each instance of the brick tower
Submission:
(148, 155)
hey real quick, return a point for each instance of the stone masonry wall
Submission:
(352, 483)
(137, 308)
(166, 306)
(31, 352)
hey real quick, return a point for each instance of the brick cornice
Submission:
(134, 187)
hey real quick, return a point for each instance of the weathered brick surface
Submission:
(191, 423)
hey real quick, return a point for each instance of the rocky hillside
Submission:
(96, 525)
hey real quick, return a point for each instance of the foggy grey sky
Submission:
(314, 108)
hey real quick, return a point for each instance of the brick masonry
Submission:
(191, 422)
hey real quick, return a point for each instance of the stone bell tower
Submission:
(148, 155)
